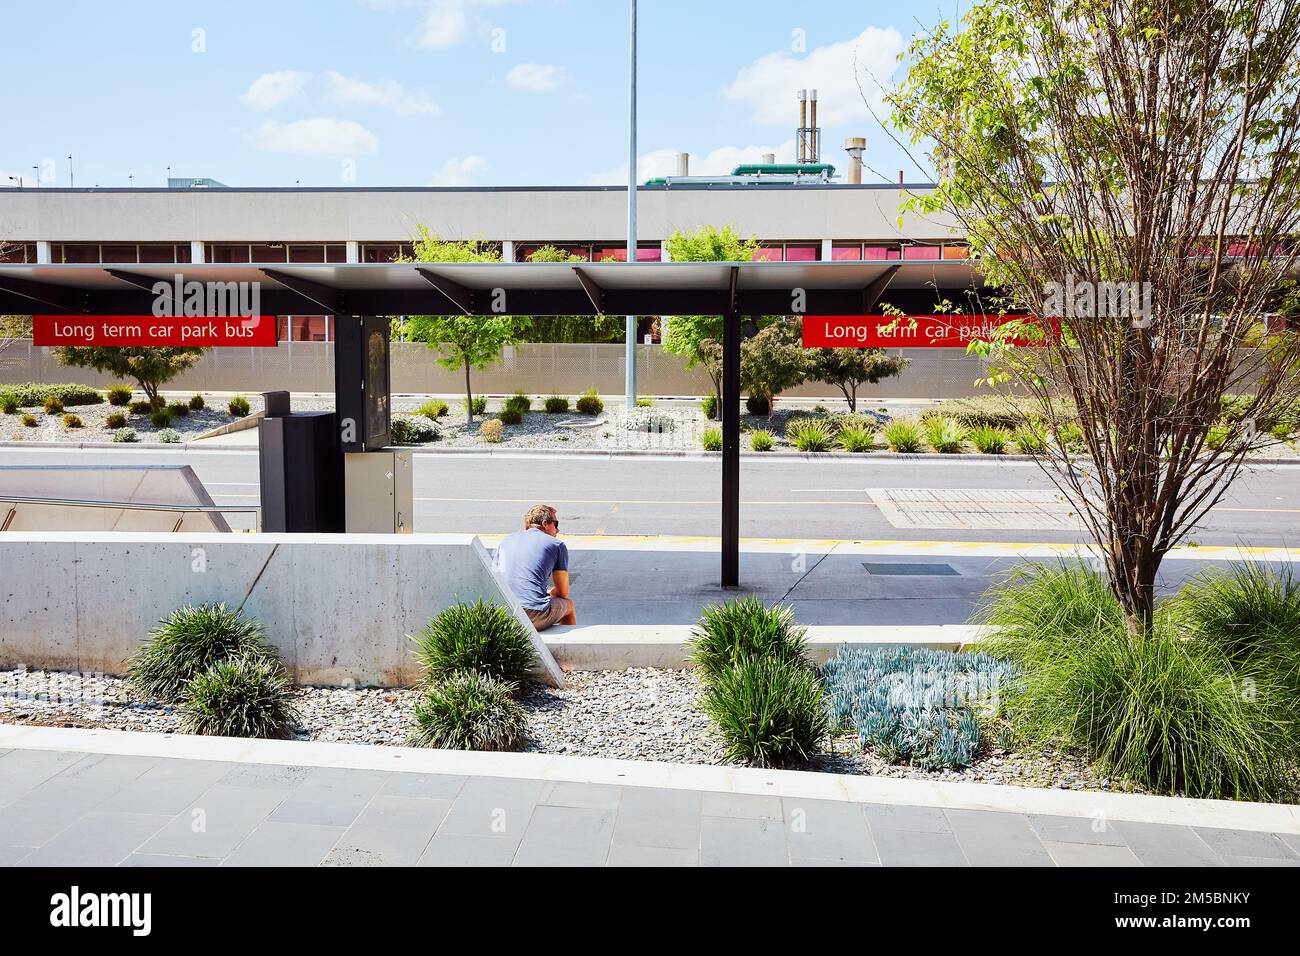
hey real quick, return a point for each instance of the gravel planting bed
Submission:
(94, 421)
(637, 714)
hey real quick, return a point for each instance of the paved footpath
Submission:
(69, 808)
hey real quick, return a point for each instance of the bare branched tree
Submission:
(12, 326)
(1131, 166)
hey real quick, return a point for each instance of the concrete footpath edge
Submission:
(797, 784)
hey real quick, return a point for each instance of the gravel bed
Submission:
(635, 714)
(94, 420)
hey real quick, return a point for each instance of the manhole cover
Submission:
(909, 570)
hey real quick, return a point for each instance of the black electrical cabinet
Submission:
(362, 366)
(301, 469)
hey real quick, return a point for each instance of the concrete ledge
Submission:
(798, 784)
(596, 647)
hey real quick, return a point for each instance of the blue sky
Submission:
(432, 92)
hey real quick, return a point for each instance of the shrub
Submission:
(867, 422)
(433, 409)
(29, 421)
(161, 418)
(179, 409)
(72, 421)
(710, 407)
(189, 641)
(53, 406)
(761, 440)
(126, 435)
(645, 402)
(115, 420)
(238, 407)
(989, 441)
(8, 404)
(1216, 436)
(992, 411)
(556, 405)
(169, 436)
(903, 435)
(758, 404)
(482, 637)
(1282, 431)
(478, 405)
(519, 402)
(744, 628)
(197, 403)
(1030, 440)
(811, 437)
(1234, 407)
(914, 705)
(853, 439)
(492, 431)
(770, 712)
(656, 423)
(1070, 436)
(589, 403)
(141, 408)
(119, 395)
(241, 696)
(469, 711)
(34, 394)
(407, 430)
(945, 435)
(711, 439)
(1165, 710)
(510, 416)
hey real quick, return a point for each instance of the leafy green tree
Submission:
(848, 369)
(463, 341)
(773, 361)
(569, 328)
(706, 244)
(151, 367)
(14, 327)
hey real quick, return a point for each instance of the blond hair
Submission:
(538, 515)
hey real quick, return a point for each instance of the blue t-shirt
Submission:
(526, 560)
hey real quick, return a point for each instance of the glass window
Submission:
(75, 252)
(302, 252)
(880, 253)
(385, 251)
(158, 252)
(956, 251)
(183, 252)
(336, 252)
(227, 252)
(801, 253)
(921, 252)
(18, 252)
(119, 253)
(846, 251)
(269, 252)
(768, 253)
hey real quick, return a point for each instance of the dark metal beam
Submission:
(730, 415)
(57, 297)
(454, 292)
(876, 288)
(594, 292)
(330, 299)
(733, 282)
(139, 281)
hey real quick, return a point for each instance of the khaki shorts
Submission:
(558, 610)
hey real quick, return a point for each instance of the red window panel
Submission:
(846, 251)
(306, 252)
(75, 252)
(118, 252)
(880, 253)
(269, 252)
(182, 252)
(767, 253)
(921, 252)
(801, 252)
(227, 252)
(336, 252)
(956, 251)
(649, 254)
(158, 252)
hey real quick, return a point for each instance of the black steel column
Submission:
(730, 416)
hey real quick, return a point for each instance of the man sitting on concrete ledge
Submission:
(536, 567)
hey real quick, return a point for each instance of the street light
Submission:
(630, 330)
(18, 180)
(71, 183)
(37, 178)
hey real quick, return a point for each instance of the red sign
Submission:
(152, 330)
(907, 331)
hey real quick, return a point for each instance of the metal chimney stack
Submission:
(854, 146)
(814, 140)
(801, 144)
(683, 164)
(769, 159)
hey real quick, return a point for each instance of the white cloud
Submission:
(719, 162)
(445, 24)
(322, 136)
(388, 94)
(458, 171)
(272, 89)
(769, 84)
(537, 77)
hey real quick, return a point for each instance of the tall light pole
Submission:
(71, 182)
(630, 349)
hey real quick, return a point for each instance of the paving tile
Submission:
(391, 831)
(97, 839)
(1292, 840)
(651, 856)
(746, 805)
(566, 836)
(1246, 843)
(266, 776)
(813, 861)
(997, 839)
(738, 841)
(23, 770)
(493, 807)
(159, 859)
(329, 796)
(1090, 854)
(593, 796)
(649, 816)
(917, 848)
(169, 787)
(40, 814)
(285, 844)
(828, 830)
(116, 768)
(915, 819)
(461, 849)
(1258, 861)
(9, 855)
(433, 786)
(1075, 830)
(216, 823)
(1158, 844)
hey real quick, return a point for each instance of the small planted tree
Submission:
(850, 369)
(773, 361)
(14, 327)
(150, 367)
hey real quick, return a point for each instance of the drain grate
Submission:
(898, 569)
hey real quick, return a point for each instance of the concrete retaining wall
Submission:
(338, 607)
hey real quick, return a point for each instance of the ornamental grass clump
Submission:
(492, 431)
(761, 440)
(481, 637)
(242, 696)
(811, 437)
(1187, 707)
(589, 403)
(119, 395)
(187, 642)
(711, 439)
(556, 405)
(469, 711)
(433, 409)
(856, 439)
(903, 435)
(770, 712)
(519, 402)
(238, 407)
(945, 435)
(731, 632)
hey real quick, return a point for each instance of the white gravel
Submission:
(94, 421)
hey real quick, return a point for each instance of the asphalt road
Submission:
(780, 497)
